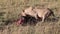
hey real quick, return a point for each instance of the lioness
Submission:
(41, 13)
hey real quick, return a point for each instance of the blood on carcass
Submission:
(20, 21)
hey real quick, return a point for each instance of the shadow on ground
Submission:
(56, 19)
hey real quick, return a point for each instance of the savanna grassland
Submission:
(10, 9)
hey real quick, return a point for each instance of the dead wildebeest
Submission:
(24, 20)
(41, 13)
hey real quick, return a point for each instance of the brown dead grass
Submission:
(13, 7)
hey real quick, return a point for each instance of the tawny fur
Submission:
(42, 13)
(29, 11)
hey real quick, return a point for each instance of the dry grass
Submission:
(12, 8)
